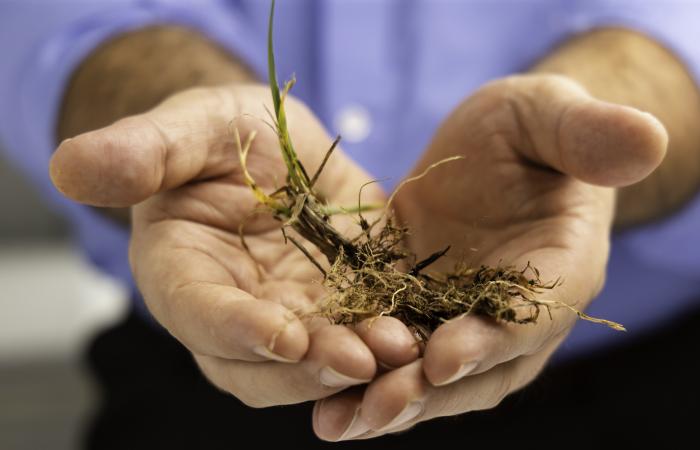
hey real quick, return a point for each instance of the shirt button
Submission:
(353, 123)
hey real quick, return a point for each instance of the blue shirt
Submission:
(384, 71)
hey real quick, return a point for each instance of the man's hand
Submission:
(541, 159)
(234, 310)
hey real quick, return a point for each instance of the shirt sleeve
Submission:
(671, 243)
(43, 41)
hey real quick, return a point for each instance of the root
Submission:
(364, 280)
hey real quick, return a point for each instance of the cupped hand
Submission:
(236, 311)
(541, 161)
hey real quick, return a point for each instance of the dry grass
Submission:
(365, 278)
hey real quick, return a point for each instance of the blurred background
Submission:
(51, 304)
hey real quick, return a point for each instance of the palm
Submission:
(207, 217)
(539, 156)
(505, 212)
(498, 206)
(267, 269)
(236, 310)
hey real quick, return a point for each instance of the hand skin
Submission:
(520, 139)
(177, 165)
(544, 161)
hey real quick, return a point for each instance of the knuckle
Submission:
(501, 390)
(598, 285)
(559, 331)
(229, 383)
(210, 96)
(252, 402)
(543, 83)
(502, 86)
(548, 333)
(552, 81)
(244, 392)
(460, 401)
(528, 376)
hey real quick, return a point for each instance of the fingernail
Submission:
(332, 378)
(410, 412)
(356, 428)
(464, 370)
(385, 366)
(269, 354)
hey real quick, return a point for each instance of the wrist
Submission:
(135, 71)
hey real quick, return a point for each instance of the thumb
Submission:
(184, 138)
(601, 143)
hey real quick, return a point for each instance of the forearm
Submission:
(135, 72)
(627, 68)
